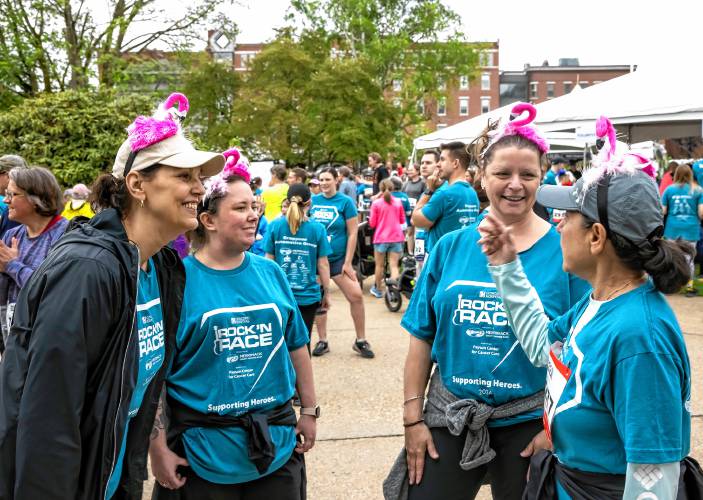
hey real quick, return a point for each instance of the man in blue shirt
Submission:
(7, 163)
(453, 207)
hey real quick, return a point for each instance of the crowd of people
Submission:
(168, 312)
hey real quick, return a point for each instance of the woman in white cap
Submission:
(95, 325)
(617, 403)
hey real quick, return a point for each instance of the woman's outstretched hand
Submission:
(496, 241)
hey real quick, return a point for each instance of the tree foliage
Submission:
(76, 134)
(302, 105)
(53, 45)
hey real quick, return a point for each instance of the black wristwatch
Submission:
(428, 192)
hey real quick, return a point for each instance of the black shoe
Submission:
(363, 348)
(691, 292)
(322, 347)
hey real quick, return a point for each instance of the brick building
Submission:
(463, 98)
(540, 83)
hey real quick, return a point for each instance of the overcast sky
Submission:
(647, 32)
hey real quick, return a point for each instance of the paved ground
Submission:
(360, 433)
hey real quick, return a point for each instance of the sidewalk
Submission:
(360, 432)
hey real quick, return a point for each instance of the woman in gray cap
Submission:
(617, 402)
(95, 326)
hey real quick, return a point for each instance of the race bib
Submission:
(419, 249)
(558, 215)
(557, 376)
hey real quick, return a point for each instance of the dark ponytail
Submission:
(110, 192)
(666, 261)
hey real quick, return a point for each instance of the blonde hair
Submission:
(295, 215)
(386, 186)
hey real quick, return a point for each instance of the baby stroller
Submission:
(363, 261)
(403, 287)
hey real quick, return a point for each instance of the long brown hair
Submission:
(386, 187)
(683, 175)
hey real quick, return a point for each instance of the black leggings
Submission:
(308, 314)
(507, 472)
(289, 482)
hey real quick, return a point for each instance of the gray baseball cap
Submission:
(625, 203)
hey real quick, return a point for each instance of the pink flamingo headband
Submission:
(235, 164)
(519, 126)
(609, 162)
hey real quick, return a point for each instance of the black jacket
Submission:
(69, 370)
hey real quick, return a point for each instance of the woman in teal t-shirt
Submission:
(457, 322)
(618, 397)
(338, 214)
(300, 247)
(682, 203)
(240, 355)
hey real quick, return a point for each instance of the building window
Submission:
(463, 82)
(441, 125)
(533, 90)
(397, 85)
(464, 106)
(568, 87)
(485, 81)
(441, 84)
(596, 82)
(442, 106)
(421, 107)
(583, 84)
(486, 59)
(485, 104)
(550, 90)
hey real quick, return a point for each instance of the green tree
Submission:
(74, 133)
(303, 106)
(212, 89)
(417, 43)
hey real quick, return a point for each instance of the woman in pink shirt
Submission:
(388, 219)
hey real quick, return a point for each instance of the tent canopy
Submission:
(644, 105)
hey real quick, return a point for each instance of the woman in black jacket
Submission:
(95, 325)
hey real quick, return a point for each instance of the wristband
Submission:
(428, 192)
(412, 399)
(411, 424)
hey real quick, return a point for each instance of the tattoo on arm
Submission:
(160, 421)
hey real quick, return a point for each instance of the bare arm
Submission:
(307, 425)
(417, 218)
(352, 227)
(418, 440)
(700, 212)
(323, 269)
(270, 256)
(164, 462)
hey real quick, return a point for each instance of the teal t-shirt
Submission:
(698, 172)
(149, 340)
(455, 306)
(333, 213)
(454, 207)
(297, 255)
(550, 178)
(406, 204)
(236, 330)
(682, 217)
(627, 399)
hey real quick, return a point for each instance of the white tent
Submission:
(468, 130)
(644, 105)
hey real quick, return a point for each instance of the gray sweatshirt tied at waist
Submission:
(444, 409)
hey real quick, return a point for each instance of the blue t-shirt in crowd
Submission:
(682, 212)
(698, 172)
(5, 222)
(451, 208)
(627, 399)
(149, 341)
(236, 330)
(455, 306)
(297, 255)
(403, 197)
(258, 247)
(333, 213)
(550, 178)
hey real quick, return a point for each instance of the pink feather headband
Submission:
(235, 164)
(520, 126)
(146, 131)
(609, 162)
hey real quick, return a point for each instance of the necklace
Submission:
(628, 283)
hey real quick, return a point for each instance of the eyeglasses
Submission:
(9, 195)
